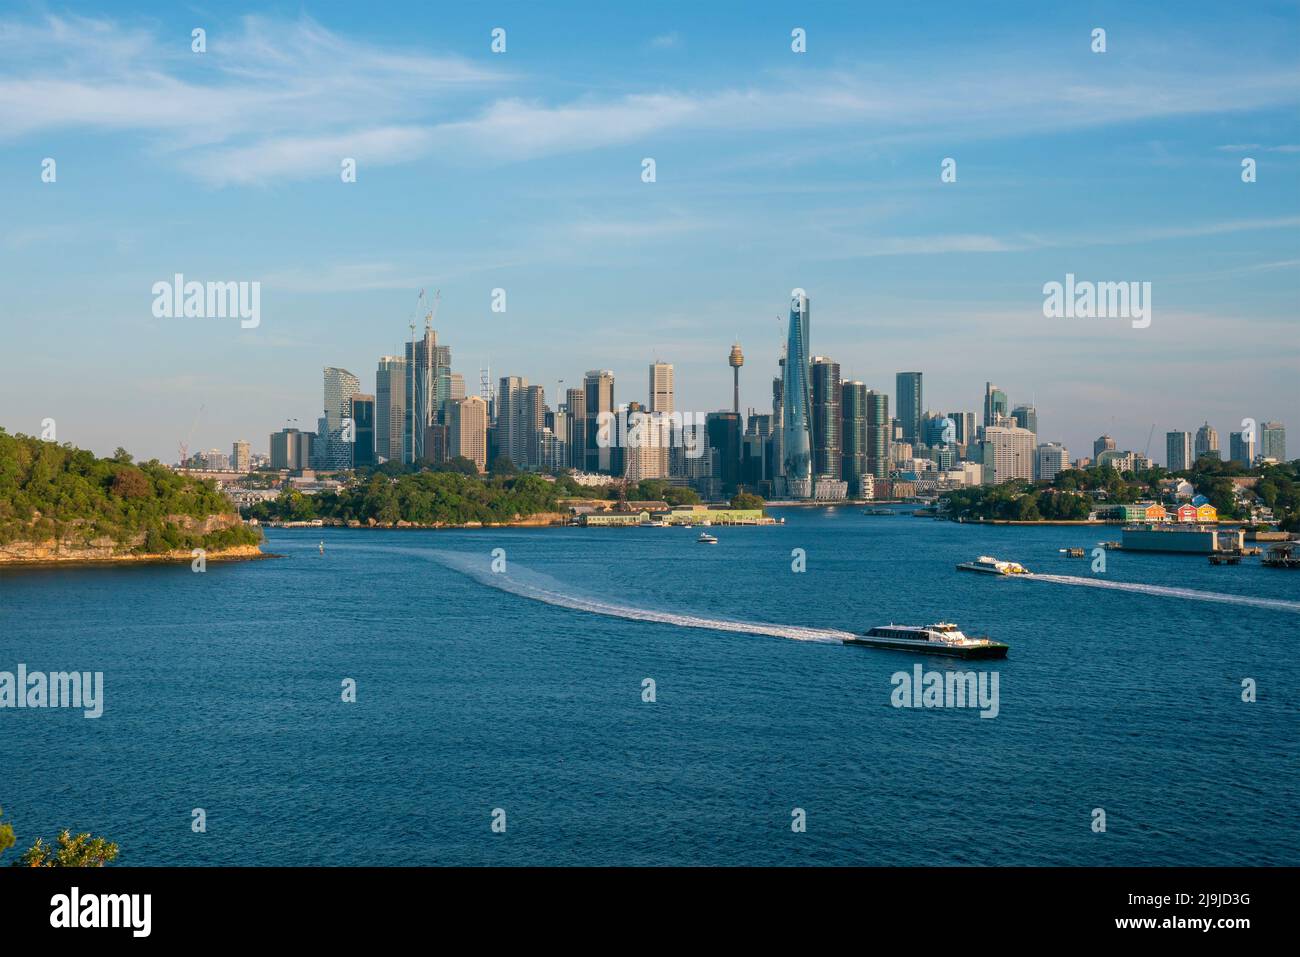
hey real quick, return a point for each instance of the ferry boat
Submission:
(941, 638)
(992, 566)
(707, 539)
(878, 511)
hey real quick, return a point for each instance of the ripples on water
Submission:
(523, 690)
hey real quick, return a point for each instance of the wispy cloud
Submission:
(277, 99)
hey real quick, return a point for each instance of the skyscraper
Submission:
(724, 431)
(340, 386)
(291, 449)
(428, 382)
(796, 441)
(1242, 448)
(533, 425)
(963, 427)
(1178, 451)
(1272, 441)
(908, 405)
(879, 437)
(240, 458)
(1051, 458)
(656, 431)
(599, 409)
(995, 404)
(1026, 416)
(1007, 453)
(1104, 443)
(511, 435)
(826, 442)
(853, 435)
(467, 428)
(576, 402)
(390, 408)
(363, 430)
(1207, 441)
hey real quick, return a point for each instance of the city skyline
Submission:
(523, 172)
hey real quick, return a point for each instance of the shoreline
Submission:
(239, 553)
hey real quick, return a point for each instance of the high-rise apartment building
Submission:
(1178, 451)
(1272, 441)
(826, 395)
(1241, 447)
(908, 405)
(241, 459)
(533, 426)
(1050, 458)
(853, 436)
(1007, 453)
(879, 434)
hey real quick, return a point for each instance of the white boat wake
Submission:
(543, 588)
(1274, 604)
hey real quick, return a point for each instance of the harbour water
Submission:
(522, 690)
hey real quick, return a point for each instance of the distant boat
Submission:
(707, 539)
(322, 548)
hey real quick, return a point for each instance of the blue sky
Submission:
(522, 171)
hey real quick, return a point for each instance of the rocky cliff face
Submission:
(75, 548)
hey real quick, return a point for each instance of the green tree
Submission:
(459, 463)
(743, 499)
(79, 851)
(6, 835)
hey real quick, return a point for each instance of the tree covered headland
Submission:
(1073, 493)
(453, 494)
(57, 492)
(422, 498)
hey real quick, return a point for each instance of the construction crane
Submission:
(1146, 452)
(185, 445)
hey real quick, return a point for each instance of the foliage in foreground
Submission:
(81, 850)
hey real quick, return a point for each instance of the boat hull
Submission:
(995, 649)
(983, 570)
